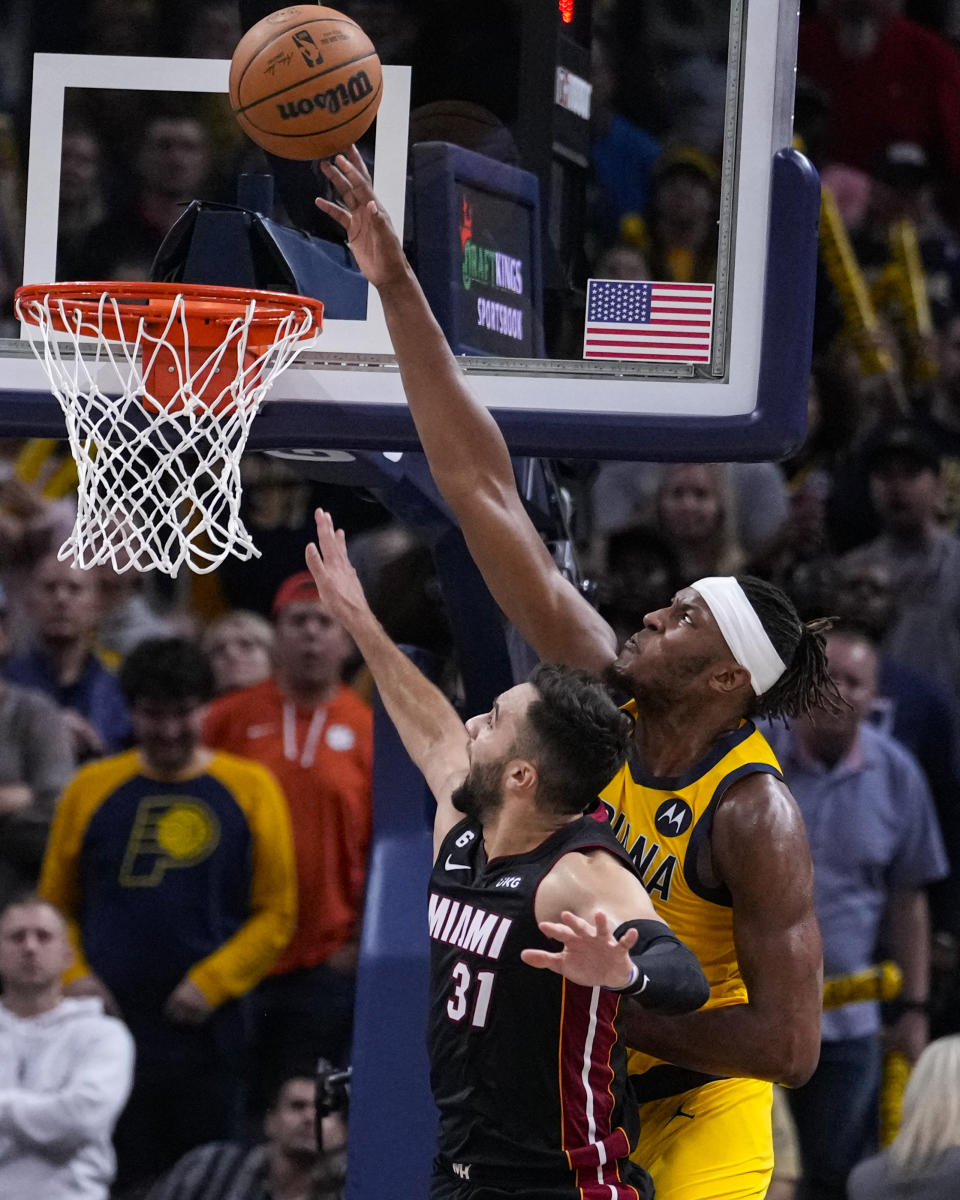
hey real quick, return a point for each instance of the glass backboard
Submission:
(741, 397)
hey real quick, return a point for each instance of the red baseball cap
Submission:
(294, 589)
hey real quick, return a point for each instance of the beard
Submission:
(617, 683)
(655, 685)
(478, 797)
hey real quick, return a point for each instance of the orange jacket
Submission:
(323, 761)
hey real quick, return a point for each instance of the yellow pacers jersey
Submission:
(665, 825)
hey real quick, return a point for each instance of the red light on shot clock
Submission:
(566, 11)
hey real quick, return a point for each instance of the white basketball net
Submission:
(158, 489)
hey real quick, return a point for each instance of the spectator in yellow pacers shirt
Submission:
(174, 865)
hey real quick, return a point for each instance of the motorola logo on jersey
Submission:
(673, 817)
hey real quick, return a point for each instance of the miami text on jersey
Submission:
(467, 927)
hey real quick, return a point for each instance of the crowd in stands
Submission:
(185, 768)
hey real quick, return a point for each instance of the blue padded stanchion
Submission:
(393, 1120)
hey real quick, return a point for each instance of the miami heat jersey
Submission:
(528, 1072)
(664, 824)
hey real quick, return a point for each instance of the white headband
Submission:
(742, 630)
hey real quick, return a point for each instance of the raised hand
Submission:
(591, 955)
(372, 238)
(337, 583)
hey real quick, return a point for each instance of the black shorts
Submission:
(446, 1186)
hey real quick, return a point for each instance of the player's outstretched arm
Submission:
(463, 444)
(611, 937)
(760, 851)
(427, 723)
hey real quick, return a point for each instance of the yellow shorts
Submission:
(712, 1143)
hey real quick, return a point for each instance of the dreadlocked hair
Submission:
(806, 684)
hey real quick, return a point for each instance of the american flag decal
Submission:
(648, 322)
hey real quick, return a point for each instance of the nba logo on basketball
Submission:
(308, 48)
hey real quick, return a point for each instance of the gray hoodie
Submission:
(64, 1079)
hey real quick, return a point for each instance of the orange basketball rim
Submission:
(178, 326)
(159, 384)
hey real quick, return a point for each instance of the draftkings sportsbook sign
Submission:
(496, 314)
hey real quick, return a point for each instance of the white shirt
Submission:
(64, 1078)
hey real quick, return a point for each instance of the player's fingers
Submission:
(357, 177)
(584, 928)
(602, 924)
(559, 933)
(327, 546)
(331, 168)
(352, 166)
(318, 569)
(340, 215)
(353, 195)
(325, 531)
(542, 959)
(356, 159)
(332, 542)
(629, 939)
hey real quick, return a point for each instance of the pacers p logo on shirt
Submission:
(168, 832)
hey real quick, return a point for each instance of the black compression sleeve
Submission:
(670, 979)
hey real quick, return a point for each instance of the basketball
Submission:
(305, 82)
